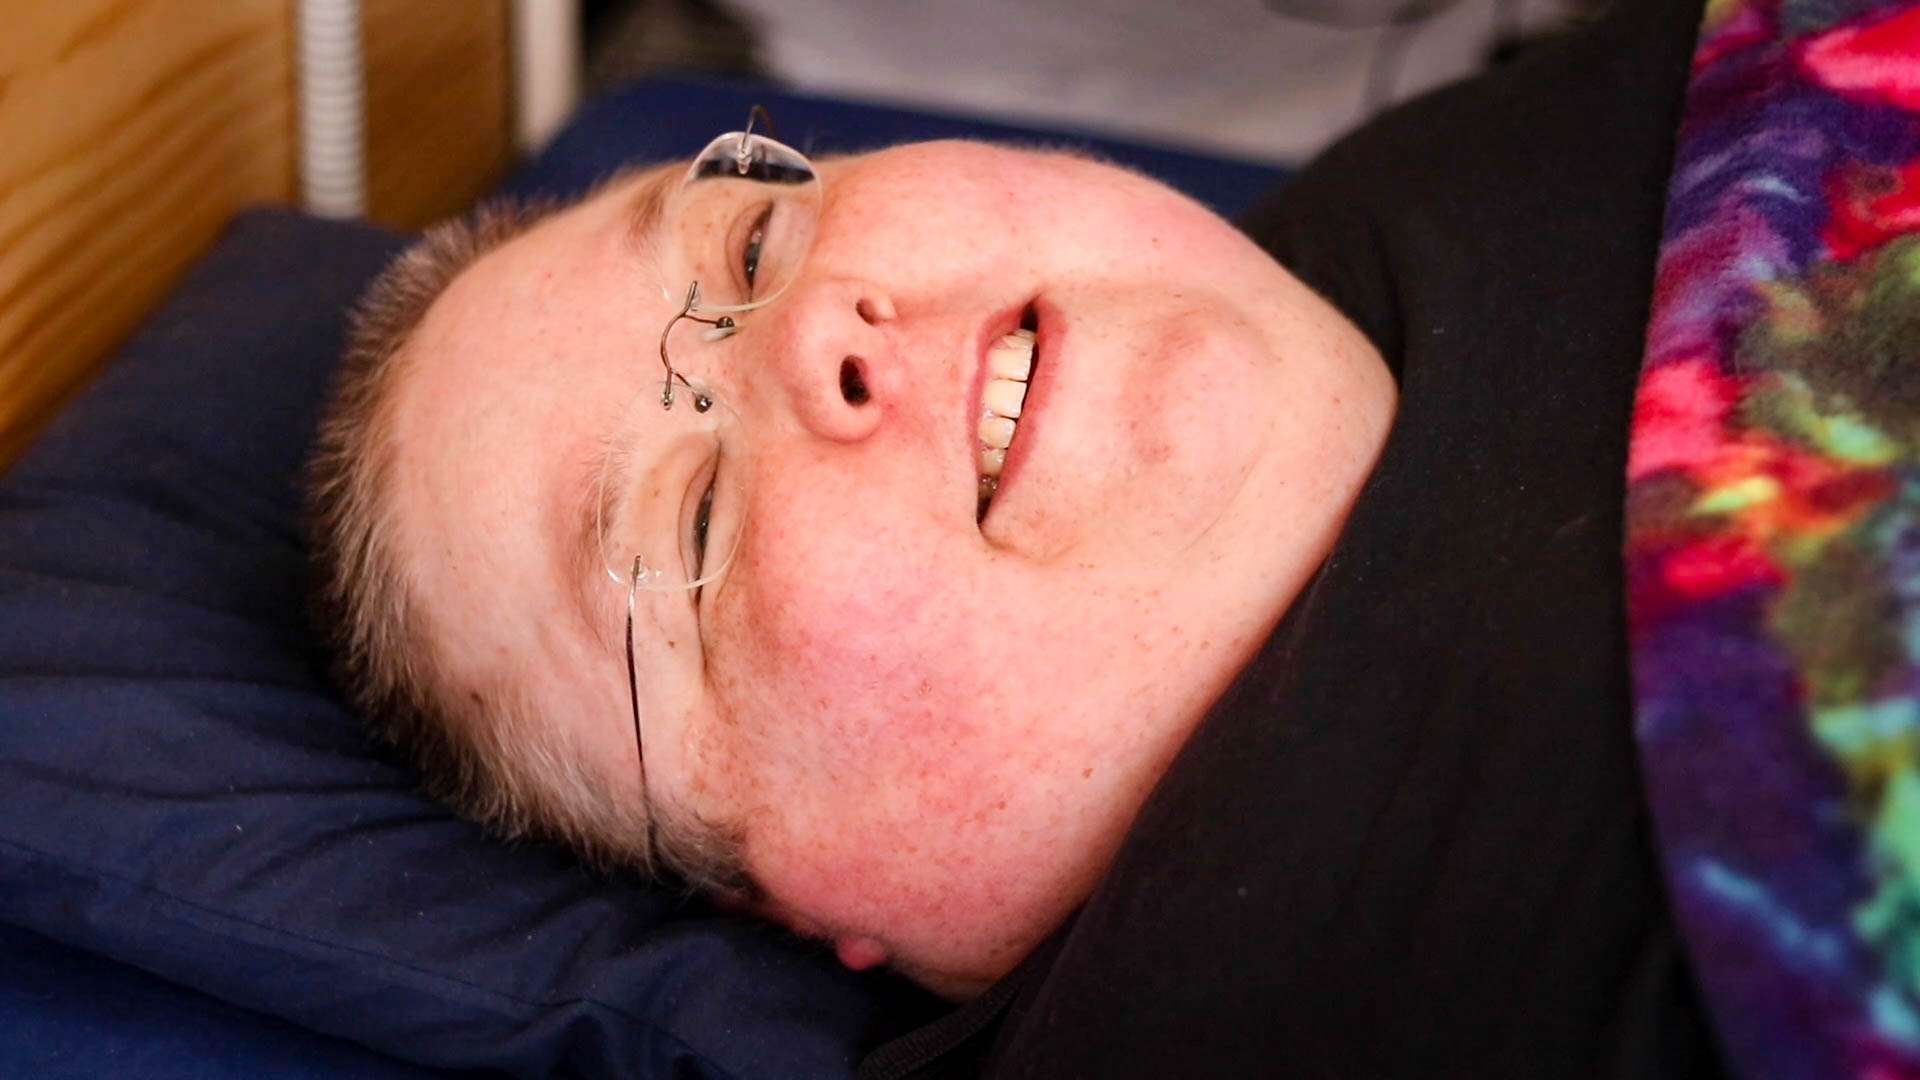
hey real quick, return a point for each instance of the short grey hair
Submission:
(486, 750)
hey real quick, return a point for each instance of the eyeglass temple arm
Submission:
(633, 698)
(633, 674)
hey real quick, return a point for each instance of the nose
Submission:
(832, 352)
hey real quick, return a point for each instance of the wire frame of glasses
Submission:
(739, 225)
(668, 498)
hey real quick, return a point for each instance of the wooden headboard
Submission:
(131, 130)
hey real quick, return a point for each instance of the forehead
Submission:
(500, 408)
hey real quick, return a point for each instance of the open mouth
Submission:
(1009, 366)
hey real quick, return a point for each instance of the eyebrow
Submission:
(583, 557)
(644, 208)
(640, 241)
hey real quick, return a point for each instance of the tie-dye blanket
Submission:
(1773, 543)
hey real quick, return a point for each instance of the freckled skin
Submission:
(932, 733)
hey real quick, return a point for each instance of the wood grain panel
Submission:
(130, 131)
(439, 130)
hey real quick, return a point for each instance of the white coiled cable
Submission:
(333, 172)
(546, 68)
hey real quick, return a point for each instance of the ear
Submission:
(860, 953)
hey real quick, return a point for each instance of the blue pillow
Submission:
(184, 791)
(669, 117)
(71, 1015)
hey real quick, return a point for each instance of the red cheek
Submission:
(877, 673)
(844, 641)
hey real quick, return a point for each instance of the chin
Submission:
(955, 988)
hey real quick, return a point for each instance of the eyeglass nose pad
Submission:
(642, 576)
(719, 333)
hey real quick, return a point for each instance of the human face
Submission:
(930, 730)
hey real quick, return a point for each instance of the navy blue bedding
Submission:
(185, 794)
(73, 1015)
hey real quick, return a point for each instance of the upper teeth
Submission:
(1009, 362)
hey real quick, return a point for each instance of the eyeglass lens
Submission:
(669, 491)
(740, 223)
(734, 233)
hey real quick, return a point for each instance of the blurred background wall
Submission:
(1268, 79)
(132, 130)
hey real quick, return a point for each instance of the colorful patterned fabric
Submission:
(1773, 540)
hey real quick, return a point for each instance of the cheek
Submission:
(851, 655)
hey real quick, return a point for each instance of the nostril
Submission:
(865, 309)
(853, 385)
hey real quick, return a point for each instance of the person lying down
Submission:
(988, 561)
(995, 448)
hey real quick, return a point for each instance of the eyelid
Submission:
(694, 560)
(755, 218)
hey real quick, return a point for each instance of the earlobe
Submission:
(859, 953)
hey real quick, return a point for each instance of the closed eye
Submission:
(697, 520)
(702, 515)
(752, 248)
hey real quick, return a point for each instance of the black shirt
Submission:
(1411, 840)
